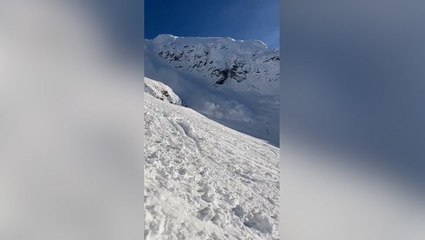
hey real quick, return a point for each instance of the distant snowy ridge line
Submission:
(258, 43)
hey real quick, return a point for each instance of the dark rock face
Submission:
(222, 74)
(165, 93)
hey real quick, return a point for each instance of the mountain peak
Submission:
(165, 36)
(224, 40)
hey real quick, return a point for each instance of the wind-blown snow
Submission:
(204, 180)
(234, 82)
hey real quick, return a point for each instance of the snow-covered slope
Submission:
(161, 91)
(231, 81)
(204, 180)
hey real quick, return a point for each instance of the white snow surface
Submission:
(204, 180)
(161, 91)
(233, 82)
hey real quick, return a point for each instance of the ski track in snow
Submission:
(204, 180)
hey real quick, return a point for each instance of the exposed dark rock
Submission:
(165, 93)
(222, 74)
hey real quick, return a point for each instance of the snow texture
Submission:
(204, 180)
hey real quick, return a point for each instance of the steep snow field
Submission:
(233, 82)
(204, 180)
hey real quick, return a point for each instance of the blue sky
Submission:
(239, 19)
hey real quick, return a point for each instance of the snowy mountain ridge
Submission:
(233, 82)
(224, 61)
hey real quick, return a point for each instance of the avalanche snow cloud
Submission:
(231, 81)
(204, 180)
